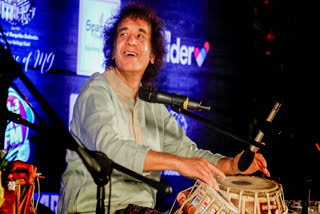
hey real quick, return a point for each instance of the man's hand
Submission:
(258, 164)
(200, 168)
(194, 167)
(229, 165)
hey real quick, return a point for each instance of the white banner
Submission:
(92, 17)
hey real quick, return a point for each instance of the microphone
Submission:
(248, 155)
(153, 95)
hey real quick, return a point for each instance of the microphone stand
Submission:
(225, 131)
(5, 81)
(306, 197)
(97, 163)
(16, 118)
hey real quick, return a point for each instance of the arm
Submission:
(200, 167)
(95, 125)
(187, 166)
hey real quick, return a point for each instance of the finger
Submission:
(266, 172)
(259, 157)
(216, 170)
(209, 168)
(257, 148)
(213, 181)
(263, 168)
(204, 173)
(239, 155)
(260, 162)
(262, 165)
(209, 177)
(215, 185)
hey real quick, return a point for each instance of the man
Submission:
(143, 137)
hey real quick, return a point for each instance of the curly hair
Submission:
(145, 13)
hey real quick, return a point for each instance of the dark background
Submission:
(243, 76)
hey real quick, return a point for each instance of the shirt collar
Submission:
(117, 84)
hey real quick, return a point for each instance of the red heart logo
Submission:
(196, 52)
(206, 46)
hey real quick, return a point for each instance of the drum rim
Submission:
(234, 188)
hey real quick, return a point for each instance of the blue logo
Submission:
(17, 12)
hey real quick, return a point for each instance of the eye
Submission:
(141, 36)
(122, 34)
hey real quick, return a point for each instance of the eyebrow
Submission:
(126, 28)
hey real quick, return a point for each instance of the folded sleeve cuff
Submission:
(139, 158)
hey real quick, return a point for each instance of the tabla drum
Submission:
(202, 198)
(254, 195)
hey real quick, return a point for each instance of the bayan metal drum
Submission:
(203, 199)
(254, 195)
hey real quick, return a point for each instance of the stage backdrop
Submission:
(58, 44)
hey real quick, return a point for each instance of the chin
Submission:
(134, 68)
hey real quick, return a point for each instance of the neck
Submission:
(130, 79)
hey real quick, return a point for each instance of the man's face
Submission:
(132, 52)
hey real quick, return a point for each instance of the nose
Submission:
(131, 40)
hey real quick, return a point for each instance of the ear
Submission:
(152, 58)
(112, 55)
(113, 50)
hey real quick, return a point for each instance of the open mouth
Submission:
(129, 53)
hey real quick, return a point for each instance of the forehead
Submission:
(134, 23)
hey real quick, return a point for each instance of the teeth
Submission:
(130, 53)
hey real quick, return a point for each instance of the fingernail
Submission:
(216, 187)
(223, 176)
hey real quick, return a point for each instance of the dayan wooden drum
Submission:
(254, 195)
(202, 198)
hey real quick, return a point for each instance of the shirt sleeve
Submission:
(93, 125)
(177, 143)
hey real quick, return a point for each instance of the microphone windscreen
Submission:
(246, 160)
(144, 93)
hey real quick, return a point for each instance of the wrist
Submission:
(228, 165)
(177, 163)
(235, 168)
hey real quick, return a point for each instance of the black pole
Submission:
(219, 128)
(6, 79)
(16, 118)
(3, 113)
(6, 61)
(100, 199)
(306, 197)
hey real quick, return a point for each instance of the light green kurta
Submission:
(106, 118)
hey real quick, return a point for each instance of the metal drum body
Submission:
(203, 199)
(254, 195)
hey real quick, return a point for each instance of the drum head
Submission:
(249, 183)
